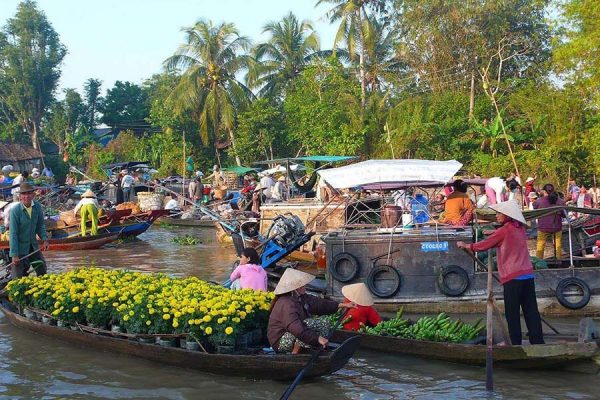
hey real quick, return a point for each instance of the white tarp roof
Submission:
(390, 171)
(280, 169)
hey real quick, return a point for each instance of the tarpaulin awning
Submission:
(328, 159)
(542, 212)
(400, 172)
(239, 170)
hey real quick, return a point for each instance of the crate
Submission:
(232, 180)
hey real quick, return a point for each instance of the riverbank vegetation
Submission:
(471, 80)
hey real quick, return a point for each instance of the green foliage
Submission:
(30, 58)
(124, 105)
(261, 133)
(323, 110)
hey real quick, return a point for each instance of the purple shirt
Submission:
(251, 276)
(550, 223)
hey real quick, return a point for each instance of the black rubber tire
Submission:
(562, 287)
(344, 258)
(395, 276)
(442, 280)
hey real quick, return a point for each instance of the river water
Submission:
(38, 367)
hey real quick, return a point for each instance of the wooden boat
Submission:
(253, 366)
(186, 222)
(541, 356)
(75, 243)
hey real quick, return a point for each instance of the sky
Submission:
(128, 40)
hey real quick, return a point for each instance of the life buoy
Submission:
(562, 293)
(344, 267)
(453, 280)
(384, 281)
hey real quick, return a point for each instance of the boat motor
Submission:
(285, 235)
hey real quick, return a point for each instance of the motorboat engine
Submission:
(286, 229)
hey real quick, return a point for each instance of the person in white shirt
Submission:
(16, 182)
(127, 185)
(279, 192)
(5, 212)
(172, 204)
(88, 208)
(267, 182)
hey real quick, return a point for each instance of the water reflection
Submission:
(34, 366)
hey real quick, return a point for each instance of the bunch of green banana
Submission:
(439, 329)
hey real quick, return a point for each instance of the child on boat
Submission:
(364, 313)
(249, 274)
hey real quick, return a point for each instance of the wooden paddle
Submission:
(288, 392)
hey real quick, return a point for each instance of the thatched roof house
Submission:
(20, 156)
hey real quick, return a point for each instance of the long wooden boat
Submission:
(201, 223)
(256, 366)
(541, 356)
(75, 243)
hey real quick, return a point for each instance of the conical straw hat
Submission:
(509, 208)
(292, 279)
(88, 193)
(358, 293)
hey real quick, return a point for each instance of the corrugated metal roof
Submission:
(13, 152)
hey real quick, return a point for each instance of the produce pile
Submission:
(439, 329)
(144, 303)
(186, 240)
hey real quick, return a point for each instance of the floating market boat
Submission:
(75, 243)
(253, 366)
(542, 356)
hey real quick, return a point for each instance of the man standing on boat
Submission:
(27, 222)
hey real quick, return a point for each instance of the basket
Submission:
(150, 201)
(232, 181)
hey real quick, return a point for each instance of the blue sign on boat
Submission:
(434, 246)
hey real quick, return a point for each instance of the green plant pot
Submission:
(30, 314)
(241, 341)
(225, 349)
(167, 342)
(192, 345)
(257, 336)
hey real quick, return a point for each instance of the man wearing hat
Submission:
(279, 192)
(515, 270)
(88, 209)
(127, 185)
(364, 313)
(26, 222)
(290, 323)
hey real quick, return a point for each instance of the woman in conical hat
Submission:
(88, 209)
(364, 313)
(515, 270)
(290, 324)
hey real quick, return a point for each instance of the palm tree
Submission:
(210, 59)
(382, 62)
(492, 133)
(353, 29)
(283, 56)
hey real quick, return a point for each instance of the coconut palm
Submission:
(283, 56)
(354, 27)
(381, 63)
(209, 61)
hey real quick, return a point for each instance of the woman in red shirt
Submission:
(515, 270)
(364, 313)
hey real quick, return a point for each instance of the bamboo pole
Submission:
(489, 357)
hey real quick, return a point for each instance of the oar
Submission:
(489, 356)
(286, 395)
(481, 264)
(21, 258)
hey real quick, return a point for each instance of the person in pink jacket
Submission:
(249, 274)
(515, 270)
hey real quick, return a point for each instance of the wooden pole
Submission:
(183, 182)
(489, 357)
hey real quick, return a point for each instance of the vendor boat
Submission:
(75, 243)
(563, 352)
(253, 366)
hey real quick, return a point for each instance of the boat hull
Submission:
(262, 366)
(546, 356)
(75, 243)
(186, 222)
